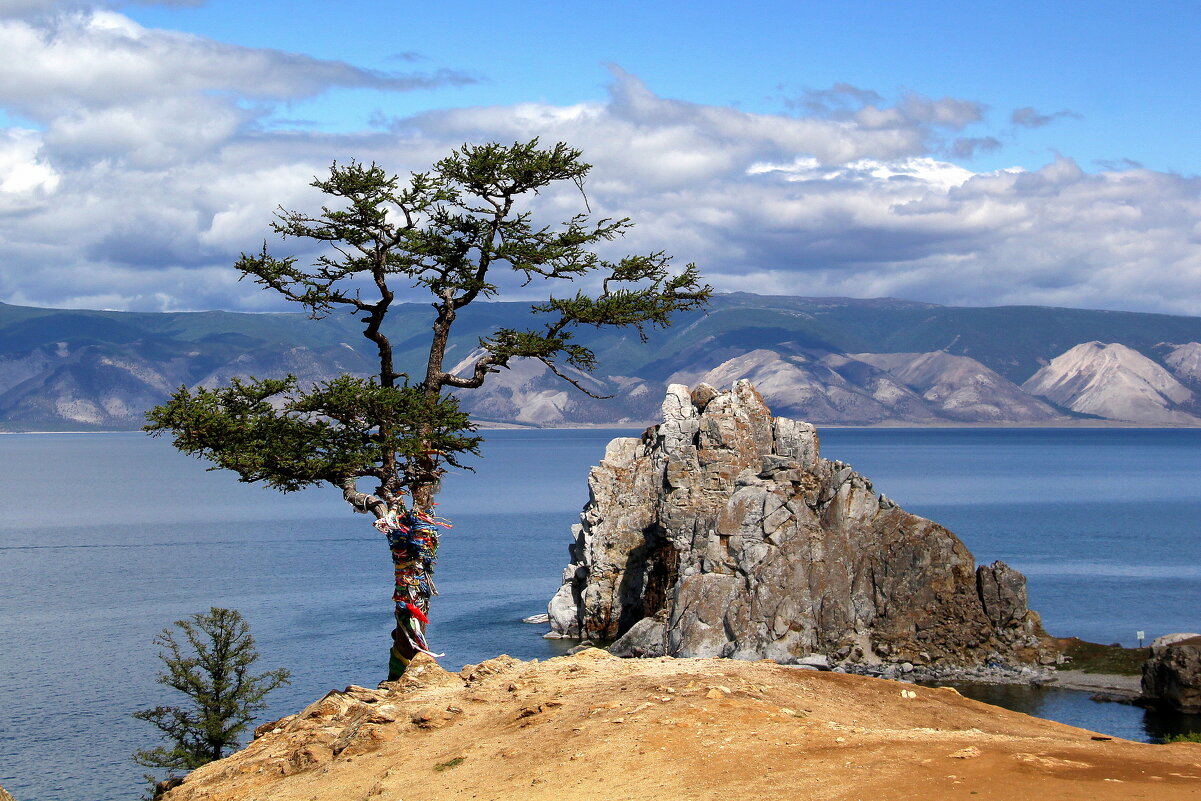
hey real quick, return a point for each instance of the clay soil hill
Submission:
(591, 726)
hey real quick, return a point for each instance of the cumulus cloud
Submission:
(925, 122)
(132, 201)
(104, 88)
(77, 62)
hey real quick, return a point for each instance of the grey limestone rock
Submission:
(1172, 676)
(644, 639)
(726, 530)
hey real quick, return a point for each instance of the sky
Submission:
(947, 152)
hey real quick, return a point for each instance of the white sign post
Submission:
(1140, 635)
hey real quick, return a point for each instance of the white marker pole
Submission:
(1140, 635)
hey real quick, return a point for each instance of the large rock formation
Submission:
(722, 532)
(1172, 676)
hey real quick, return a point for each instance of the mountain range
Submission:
(828, 360)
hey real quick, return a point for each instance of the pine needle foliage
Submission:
(449, 231)
(207, 658)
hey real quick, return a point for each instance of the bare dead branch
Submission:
(572, 381)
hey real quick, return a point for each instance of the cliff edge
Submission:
(722, 532)
(592, 726)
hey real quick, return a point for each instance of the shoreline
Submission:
(1104, 683)
(884, 426)
(1114, 686)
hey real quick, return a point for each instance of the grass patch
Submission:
(1187, 737)
(1091, 657)
(450, 763)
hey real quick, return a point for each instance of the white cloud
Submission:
(150, 174)
(24, 8)
(23, 174)
(80, 61)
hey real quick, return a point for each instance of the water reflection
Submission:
(1076, 708)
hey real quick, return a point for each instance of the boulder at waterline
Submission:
(1172, 676)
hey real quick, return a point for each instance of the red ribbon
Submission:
(417, 613)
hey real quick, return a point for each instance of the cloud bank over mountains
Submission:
(136, 163)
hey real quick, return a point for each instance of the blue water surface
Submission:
(1104, 523)
(107, 538)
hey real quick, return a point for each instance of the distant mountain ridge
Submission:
(827, 360)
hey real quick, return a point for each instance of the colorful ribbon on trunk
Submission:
(413, 540)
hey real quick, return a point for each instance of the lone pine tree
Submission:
(450, 231)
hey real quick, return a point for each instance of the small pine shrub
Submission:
(210, 665)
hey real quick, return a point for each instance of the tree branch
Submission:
(361, 501)
(572, 381)
(486, 364)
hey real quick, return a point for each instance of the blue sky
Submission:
(947, 152)
(1126, 69)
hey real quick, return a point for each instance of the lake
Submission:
(107, 538)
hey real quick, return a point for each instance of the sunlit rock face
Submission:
(1115, 382)
(722, 532)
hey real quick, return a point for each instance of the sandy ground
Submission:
(591, 726)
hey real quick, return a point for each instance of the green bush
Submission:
(211, 666)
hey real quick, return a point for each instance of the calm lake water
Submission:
(107, 538)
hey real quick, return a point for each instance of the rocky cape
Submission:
(591, 726)
(722, 532)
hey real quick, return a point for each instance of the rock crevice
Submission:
(722, 532)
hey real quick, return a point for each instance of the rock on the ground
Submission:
(1172, 676)
(726, 530)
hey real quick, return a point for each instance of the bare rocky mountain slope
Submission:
(591, 726)
(829, 360)
(1116, 382)
(722, 532)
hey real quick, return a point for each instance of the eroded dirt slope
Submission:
(591, 726)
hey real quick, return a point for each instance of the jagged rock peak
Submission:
(722, 532)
